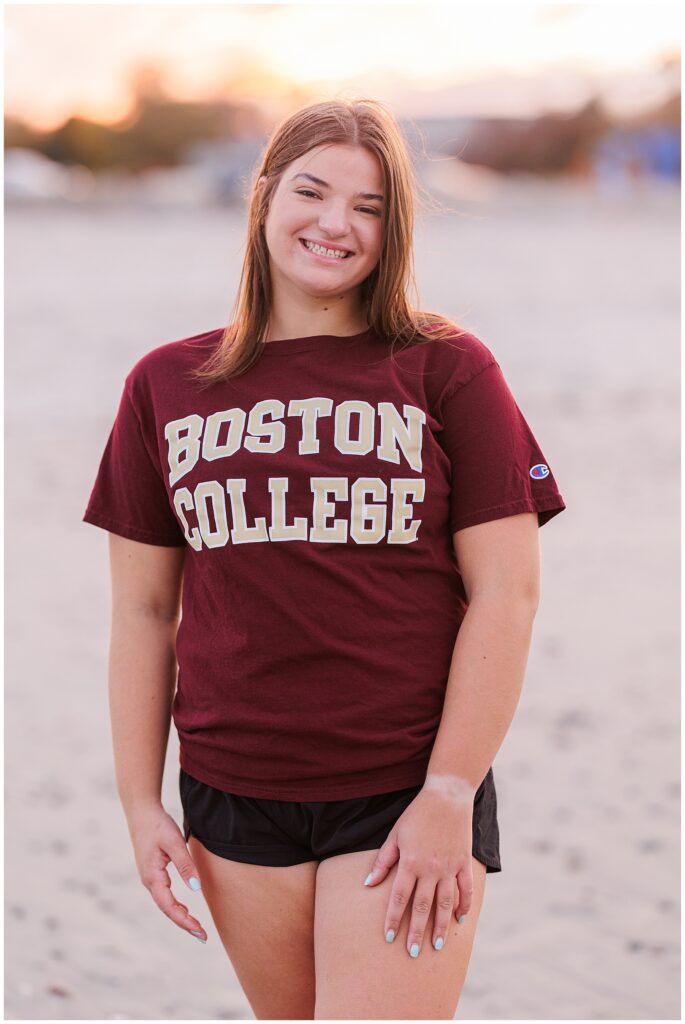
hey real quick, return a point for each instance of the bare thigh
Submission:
(265, 920)
(360, 976)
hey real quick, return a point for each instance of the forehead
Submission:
(341, 165)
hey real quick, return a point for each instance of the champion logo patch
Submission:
(539, 471)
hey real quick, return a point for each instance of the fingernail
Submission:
(368, 878)
(414, 951)
(389, 935)
(460, 920)
(194, 883)
(439, 943)
(198, 935)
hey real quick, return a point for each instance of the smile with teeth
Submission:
(340, 254)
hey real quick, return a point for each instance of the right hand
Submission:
(157, 840)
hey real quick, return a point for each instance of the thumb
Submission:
(385, 858)
(183, 863)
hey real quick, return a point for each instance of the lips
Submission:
(327, 245)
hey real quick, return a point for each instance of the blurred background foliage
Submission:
(159, 131)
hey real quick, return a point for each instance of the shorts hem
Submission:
(264, 856)
(490, 864)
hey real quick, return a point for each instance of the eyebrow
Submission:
(324, 184)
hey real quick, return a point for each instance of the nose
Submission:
(334, 221)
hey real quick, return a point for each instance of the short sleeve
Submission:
(498, 468)
(129, 497)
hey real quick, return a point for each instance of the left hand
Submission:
(433, 839)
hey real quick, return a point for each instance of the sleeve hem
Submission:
(130, 532)
(545, 507)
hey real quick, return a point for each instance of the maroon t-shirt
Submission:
(316, 496)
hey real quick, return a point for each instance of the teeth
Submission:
(341, 254)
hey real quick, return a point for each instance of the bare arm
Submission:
(146, 586)
(500, 565)
(146, 590)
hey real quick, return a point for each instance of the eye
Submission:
(308, 192)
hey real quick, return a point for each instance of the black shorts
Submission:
(279, 833)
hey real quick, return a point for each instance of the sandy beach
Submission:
(577, 294)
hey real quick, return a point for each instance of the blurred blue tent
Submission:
(652, 149)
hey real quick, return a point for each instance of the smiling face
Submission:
(341, 210)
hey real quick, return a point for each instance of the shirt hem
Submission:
(374, 783)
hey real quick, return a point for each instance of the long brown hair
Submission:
(362, 122)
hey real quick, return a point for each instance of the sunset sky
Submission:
(66, 59)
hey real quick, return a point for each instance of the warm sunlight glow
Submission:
(255, 50)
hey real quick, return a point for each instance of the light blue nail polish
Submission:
(460, 920)
(194, 883)
(368, 878)
(439, 943)
(198, 935)
(389, 935)
(414, 951)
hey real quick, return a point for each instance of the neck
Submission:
(322, 317)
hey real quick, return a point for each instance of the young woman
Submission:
(349, 497)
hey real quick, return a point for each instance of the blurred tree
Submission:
(19, 135)
(155, 133)
(163, 129)
(83, 142)
(549, 144)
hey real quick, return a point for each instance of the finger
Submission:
(384, 860)
(465, 887)
(444, 905)
(160, 890)
(177, 851)
(176, 912)
(400, 895)
(421, 905)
